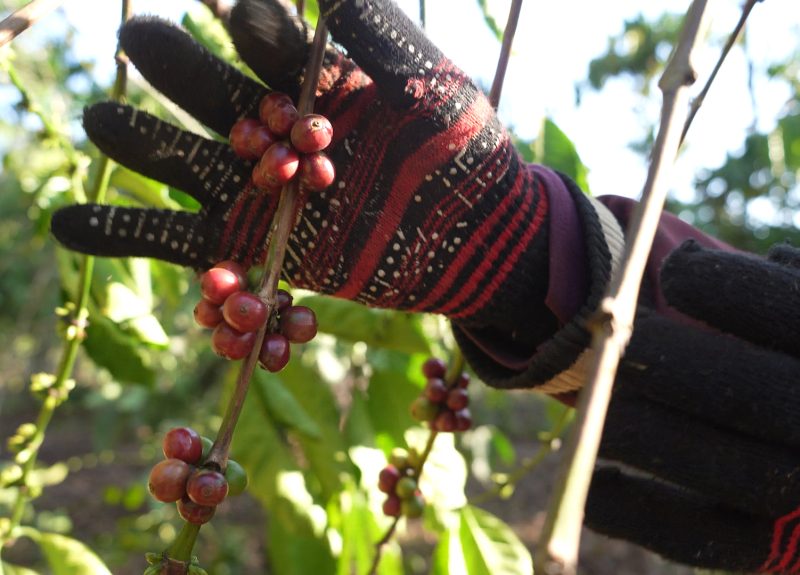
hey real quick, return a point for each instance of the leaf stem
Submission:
(613, 322)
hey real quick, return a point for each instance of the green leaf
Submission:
(354, 322)
(490, 546)
(67, 556)
(445, 470)
(554, 149)
(282, 406)
(121, 354)
(448, 557)
(124, 306)
(490, 20)
(209, 31)
(10, 569)
(146, 191)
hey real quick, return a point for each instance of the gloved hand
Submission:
(432, 209)
(702, 441)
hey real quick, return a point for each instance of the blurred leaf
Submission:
(282, 406)
(120, 353)
(148, 192)
(790, 131)
(9, 569)
(209, 31)
(555, 150)
(502, 446)
(312, 11)
(354, 322)
(360, 530)
(490, 546)
(123, 306)
(488, 17)
(448, 557)
(445, 470)
(67, 556)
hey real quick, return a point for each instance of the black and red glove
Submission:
(701, 447)
(432, 209)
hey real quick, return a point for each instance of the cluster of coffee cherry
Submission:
(236, 315)
(183, 479)
(285, 145)
(443, 405)
(399, 481)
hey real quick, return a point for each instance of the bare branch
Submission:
(613, 323)
(505, 52)
(24, 18)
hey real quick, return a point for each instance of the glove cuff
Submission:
(559, 363)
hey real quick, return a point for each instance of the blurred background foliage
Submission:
(314, 436)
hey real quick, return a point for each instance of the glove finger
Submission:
(267, 27)
(750, 297)
(212, 91)
(785, 254)
(678, 524)
(207, 170)
(729, 468)
(716, 377)
(177, 237)
(390, 48)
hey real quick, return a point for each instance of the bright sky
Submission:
(555, 42)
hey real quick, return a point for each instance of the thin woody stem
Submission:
(505, 53)
(19, 21)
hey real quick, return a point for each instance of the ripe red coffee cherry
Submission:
(182, 443)
(240, 137)
(311, 133)
(259, 141)
(244, 311)
(434, 367)
(270, 102)
(207, 314)
(237, 268)
(457, 399)
(275, 352)
(445, 421)
(392, 506)
(230, 343)
(298, 324)
(387, 478)
(192, 512)
(217, 284)
(282, 117)
(168, 478)
(436, 390)
(284, 299)
(316, 172)
(277, 166)
(463, 419)
(463, 380)
(207, 487)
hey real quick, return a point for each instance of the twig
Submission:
(373, 569)
(24, 18)
(276, 249)
(698, 100)
(219, 9)
(613, 324)
(505, 52)
(300, 5)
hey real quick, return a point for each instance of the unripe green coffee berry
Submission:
(207, 445)
(413, 507)
(236, 477)
(423, 409)
(399, 458)
(406, 487)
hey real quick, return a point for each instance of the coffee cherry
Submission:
(434, 367)
(311, 133)
(316, 172)
(463, 419)
(406, 487)
(237, 268)
(298, 323)
(392, 506)
(414, 458)
(463, 380)
(259, 141)
(413, 507)
(207, 445)
(236, 477)
(270, 102)
(207, 487)
(387, 478)
(436, 390)
(457, 399)
(423, 409)
(217, 284)
(207, 314)
(282, 117)
(230, 343)
(182, 443)
(195, 513)
(275, 352)
(284, 299)
(240, 136)
(277, 166)
(168, 478)
(399, 458)
(445, 421)
(244, 311)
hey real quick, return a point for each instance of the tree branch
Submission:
(613, 323)
(505, 52)
(24, 18)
